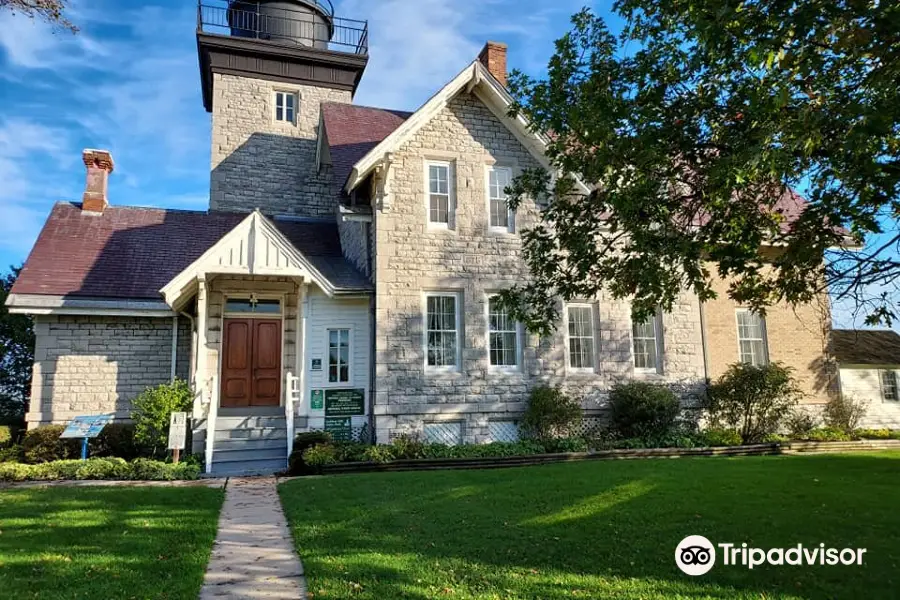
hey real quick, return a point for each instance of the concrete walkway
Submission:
(253, 556)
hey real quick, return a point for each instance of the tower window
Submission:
(286, 107)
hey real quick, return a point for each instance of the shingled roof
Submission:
(131, 252)
(865, 347)
(354, 130)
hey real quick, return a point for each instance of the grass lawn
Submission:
(604, 529)
(106, 542)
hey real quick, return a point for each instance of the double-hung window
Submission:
(501, 218)
(442, 324)
(503, 337)
(440, 190)
(889, 385)
(751, 330)
(285, 106)
(580, 329)
(338, 355)
(647, 348)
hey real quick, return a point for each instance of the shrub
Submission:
(378, 454)
(407, 446)
(573, 444)
(350, 451)
(11, 454)
(874, 434)
(14, 471)
(43, 444)
(103, 468)
(720, 436)
(153, 470)
(754, 400)
(99, 468)
(640, 409)
(302, 441)
(152, 411)
(826, 434)
(550, 414)
(320, 455)
(6, 437)
(800, 422)
(844, 412)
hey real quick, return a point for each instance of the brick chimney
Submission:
(493, 56)
(99, 165)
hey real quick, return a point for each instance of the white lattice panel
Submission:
(449, 433)
(588, 427)
(503, 431)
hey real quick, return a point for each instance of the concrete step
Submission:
(247, 467)
(252, 411)
(249, 422)
(223, 456)
(250, 444)
(257, 433)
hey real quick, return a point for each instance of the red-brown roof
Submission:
(131, 252)
(354, 130)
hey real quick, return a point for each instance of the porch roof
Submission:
(133, 252)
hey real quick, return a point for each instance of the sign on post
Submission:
(317, 399)
(85, 427)
(345, 402)
(339, 428)
(177, 434)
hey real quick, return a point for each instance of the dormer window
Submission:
(286, 107)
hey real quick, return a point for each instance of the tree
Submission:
(693, 127)
(51, 11)
(16, 356)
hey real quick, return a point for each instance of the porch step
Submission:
(248, 467)
(227, 444)
(257, 433)
(228, 456)
(249, 422)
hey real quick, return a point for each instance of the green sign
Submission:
(339, 428)
(345, 402)
(317, 399)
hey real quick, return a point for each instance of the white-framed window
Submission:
(751, 329)
(503, 431)
(889, 385)
(647, 345)
(500, 216)
(580, 343)
(286, 106)
(504, 337)
(439, 197)
(442, 330)
(338, 355)
(449, 433)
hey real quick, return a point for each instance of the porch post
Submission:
(301, 347)
(203, 379)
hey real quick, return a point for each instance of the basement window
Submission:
(286, 107)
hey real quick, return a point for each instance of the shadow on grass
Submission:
(597, 529)
(63, 543)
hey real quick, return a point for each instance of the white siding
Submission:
(326, 313)
(864, 383)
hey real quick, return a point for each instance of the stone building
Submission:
(343, 276)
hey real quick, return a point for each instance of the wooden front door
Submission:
(251, 367)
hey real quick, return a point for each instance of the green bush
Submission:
(14, 471)
(153, 470)
(103, 468)
(826, 434)
(320, 455)
(152, 411)
(6, 437)
(876, 434)
(844, 412)
(754, 400)
(799, 422)
(720, 436)
(98, 468)
(550, 414)
(380, 453)
(640, 409)
(572, 444)
(775, 438)
(118, 439)
(350, 451)
(302, 441)
(405, 447)
(11, 454)
(43, 444)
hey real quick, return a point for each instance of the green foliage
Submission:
(5, 435)
(99, 468)
(407, 446)
(775, 438)
(153, 409)
(877, 434)
(118, 439)
(720, 436)
(716, 109)
(320, 455)
(754, 400)
(43, 444)
(844, 412)
(12, 453)
(800, 422)
(378, 454)
(302, 441)
(350, 451)
(550, 414)
(826, 434)
(16, 357)
(640, 409)
(571, 444)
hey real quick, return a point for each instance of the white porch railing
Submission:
(292, 387)
(211, 413)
